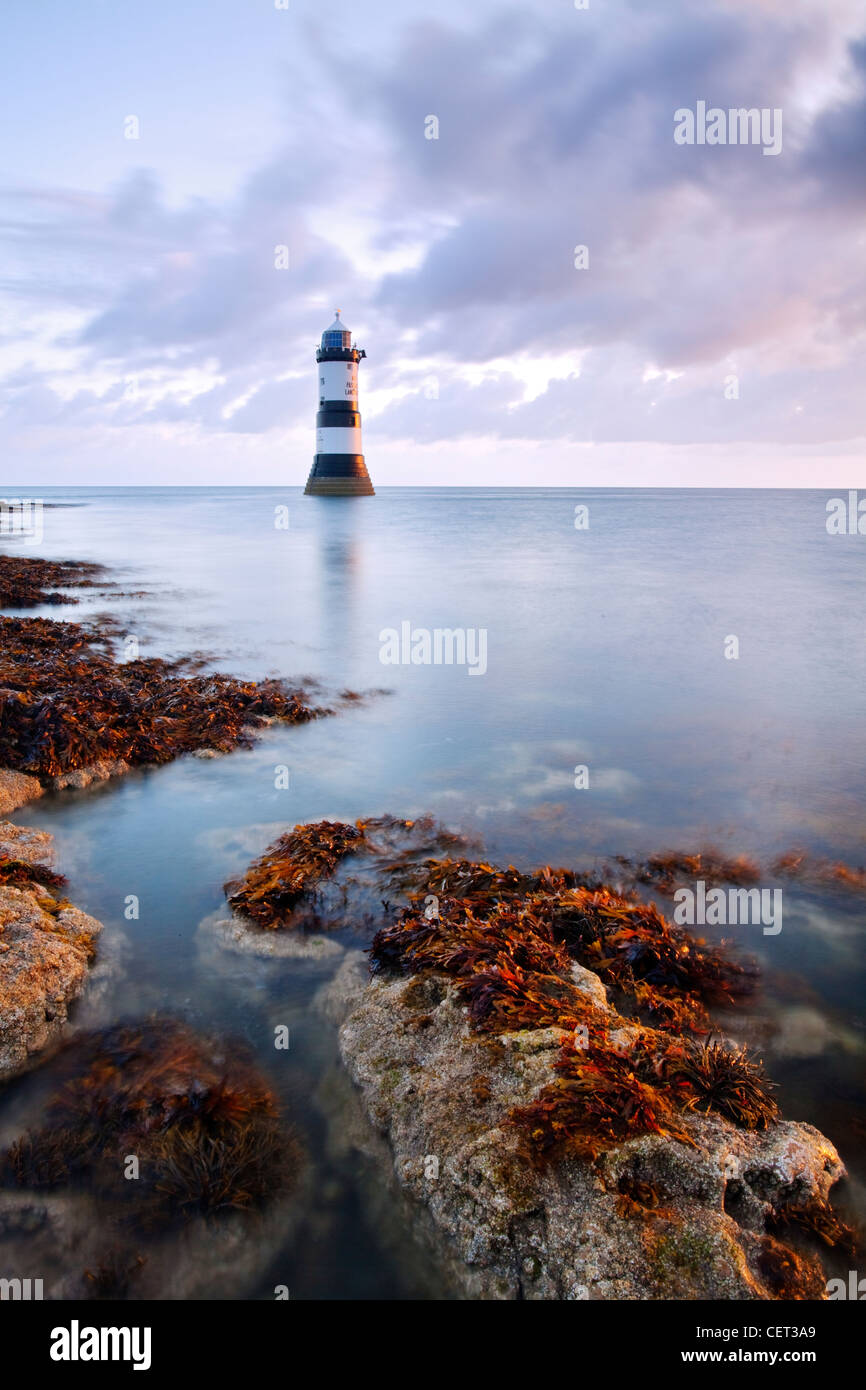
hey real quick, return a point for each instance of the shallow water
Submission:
(605, 647)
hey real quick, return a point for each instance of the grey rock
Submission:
(82, 777)
(45, 955)
(233, 934)
(16, 789)
(24, 843)
(505, 1228)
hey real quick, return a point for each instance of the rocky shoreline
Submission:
(537, 1056)
(71, 714)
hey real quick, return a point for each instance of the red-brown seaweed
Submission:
(202, 1124)
(299, 863)
(658, 970)
(728, 1080)
(27, 582)
(674, 867)
(20, 873)
(601, 1097)
(289, 868)
(65, 705)
(818, 1219)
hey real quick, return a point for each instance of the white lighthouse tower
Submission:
(338, 469)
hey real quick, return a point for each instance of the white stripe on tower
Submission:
(338, 467)
(342, 439)
(338, 381)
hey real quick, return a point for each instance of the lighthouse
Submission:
(338, 469)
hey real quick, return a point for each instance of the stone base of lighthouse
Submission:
(339, 475)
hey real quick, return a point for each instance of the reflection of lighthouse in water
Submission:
(338, 469)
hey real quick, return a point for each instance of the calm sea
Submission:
(605, 649)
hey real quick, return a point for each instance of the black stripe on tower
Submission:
(339, 466)
(339, 354)
(337, 415)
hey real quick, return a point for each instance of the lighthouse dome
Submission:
(337, 335)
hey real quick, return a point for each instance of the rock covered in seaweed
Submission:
(315, 878)
(649, 1217)
(290, 869)
(534, 1049)
(46, 947)
(28, 582)
(70, 712)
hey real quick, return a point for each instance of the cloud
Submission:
(455, 257)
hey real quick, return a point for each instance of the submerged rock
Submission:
(199, 1119)
(154, 1156)
(330, 874)
(63, 1239)
(283, 889)
(234, 934)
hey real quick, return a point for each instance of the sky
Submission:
(155, 158)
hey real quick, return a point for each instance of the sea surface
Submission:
(607, 647)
